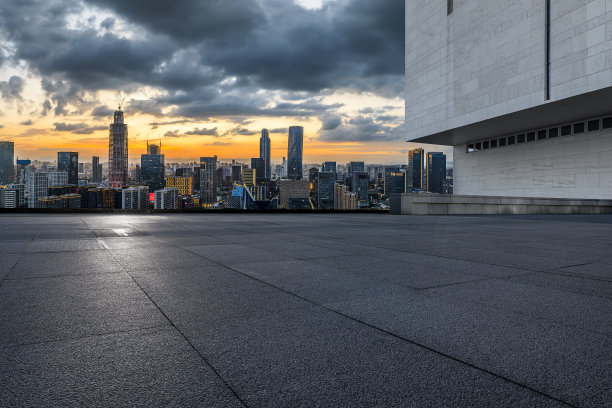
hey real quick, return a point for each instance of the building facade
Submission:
(436, 172)
(167, 199)
(208, 188)
(7, 163)
(521, 90)
(153, 171)
(135, 198)
(96, 170)
(296, 190)
(118, 151)
(58, 178)
(37, 186)
(295, 151)
(264, 153)
(395, 181)
(69, 162)
(325, 190)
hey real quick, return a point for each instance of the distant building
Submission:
(241, 198)
(249, 176)
(208, 189)
(360, 185)
(416, 168)
(23, 165)
(135, 198)
(153, 148)
(182, 183)
(259, 165)
(99, 198)
(236, 174)
(20, 191)
(50, 202)
(118, 151)
(264, 154)
(395, 181)
(436, 172)
(58, 178)
(167, 199)
(96, 170)
(7, 162)
(37, 186)
(325, 191)
(9, 198)
(329, 167)
(293, 189)
(259, 193)
(152, 171)
(313, 180)
(295, 152)
(344, 199)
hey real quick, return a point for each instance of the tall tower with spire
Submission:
(118, 151)
(264, 152)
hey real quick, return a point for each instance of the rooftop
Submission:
(265, 310)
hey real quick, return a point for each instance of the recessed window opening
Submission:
(502, 142)
(511, 140)
(579, 127)
(531, 137)
(554, 132)
(607, 123)
(593, 125)
(494, 143)
(541, 134)
(485, 145)
(520, 138)
(566, 130)
(449, 7)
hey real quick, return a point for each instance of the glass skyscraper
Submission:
(69, 162)
(152, 171)
(416, 164)
(436, 172)
(7, 163)
(118, 151)
(264, 153)
(325, 191)
(208, 189)
(294, 152)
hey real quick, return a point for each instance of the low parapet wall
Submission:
(414, 204)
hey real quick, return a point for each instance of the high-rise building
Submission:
(395, 181)
(355, 166)
(292, 193)
(69, 162)
(9, 198)
(313, 182)
(153, 171)
(259, 165)
(360, 185)
(23, 165)
(344, 199)
(436, 172)
(118, 151)
(295, 152)
(236, 174)
(329, 167)
(57, 178)
(264, 153)
(521, 93)
(20, 191)
(416, 169)
(167, 199)
(249, 177)
(37, 186)
(183, 184)
(208, 189)
(325, 190)
(7, 162)
(96, 170)
(135, 198)
(153, 148)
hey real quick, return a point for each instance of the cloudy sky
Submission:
(204, 75)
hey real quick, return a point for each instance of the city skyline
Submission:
(184, 87)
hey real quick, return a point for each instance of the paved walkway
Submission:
(305, 310)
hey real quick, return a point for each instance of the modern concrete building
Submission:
(7, 162)
(96, 170)
(166, 199)
(208, 188)
(37, 186)
(9, 198)
(69, 162)
(520, 89)
(182, 183)
(295, 152)
(264, 153)
(58, 178)
(118, 151)
(293, 190)
(344, 199)
(135, 198)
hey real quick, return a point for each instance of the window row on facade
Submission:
(576, 128)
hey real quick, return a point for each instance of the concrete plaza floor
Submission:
(292, 310)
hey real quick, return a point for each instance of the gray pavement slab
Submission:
(306, 310)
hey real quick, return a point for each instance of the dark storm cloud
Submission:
(28, 122)
(102, 111)
(77, 128)
(361, 129)
(210, 58)
(203, 132)
(331, 122)
(12, 88)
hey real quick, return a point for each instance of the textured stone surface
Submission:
(305, 310)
